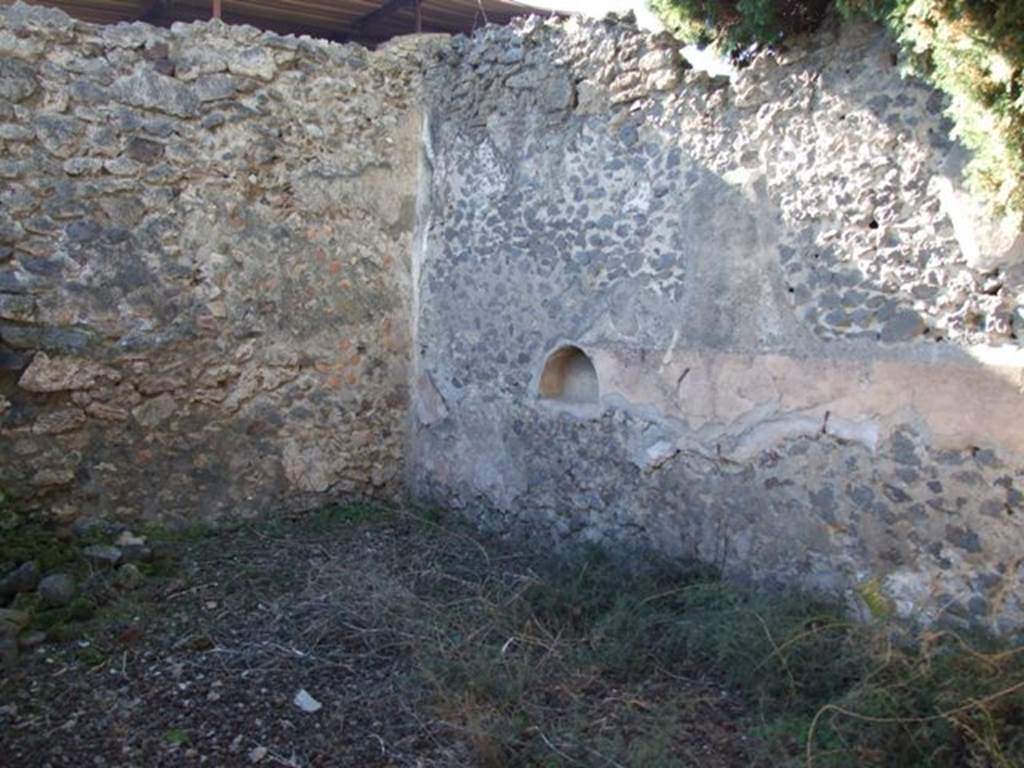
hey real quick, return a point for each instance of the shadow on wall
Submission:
(825, 225)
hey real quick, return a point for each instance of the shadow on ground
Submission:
(424, 644)
(354, 636)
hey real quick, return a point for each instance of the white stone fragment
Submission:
(304, 701)
(986, 242)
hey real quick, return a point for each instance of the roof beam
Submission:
(153, 8)
(389, 8)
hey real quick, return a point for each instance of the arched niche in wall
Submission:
(569, 376)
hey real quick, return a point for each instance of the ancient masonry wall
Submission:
(546, 275)
(779, 338)
(204, 279)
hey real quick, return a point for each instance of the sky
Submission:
(600, 7)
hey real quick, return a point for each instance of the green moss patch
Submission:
(35, 542)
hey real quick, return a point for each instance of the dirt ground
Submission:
(411, 636)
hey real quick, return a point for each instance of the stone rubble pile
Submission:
(31, 599)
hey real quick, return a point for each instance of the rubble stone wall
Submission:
(204, 267)
(547, 275)
(804, 339)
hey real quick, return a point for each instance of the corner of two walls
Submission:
(204, 268)
(241, 272)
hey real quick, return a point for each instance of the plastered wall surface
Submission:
(204, 268)
(804, 375)
(242, 272)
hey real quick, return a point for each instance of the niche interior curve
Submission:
(569, 376)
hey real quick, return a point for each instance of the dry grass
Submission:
(431, 645)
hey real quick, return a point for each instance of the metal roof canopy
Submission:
(364, 21)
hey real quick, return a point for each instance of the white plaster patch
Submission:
(908, 591)
(659, 453)
(430, 405)
(865, 432)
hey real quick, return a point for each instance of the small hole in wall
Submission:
(873, 224)
(569, 376)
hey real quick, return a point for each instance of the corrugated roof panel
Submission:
(333, 19)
